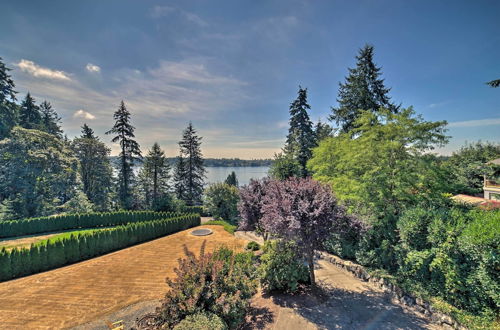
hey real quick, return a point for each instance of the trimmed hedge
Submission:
(52, 254)
(30, 226)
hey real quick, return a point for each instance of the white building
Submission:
(491, 188)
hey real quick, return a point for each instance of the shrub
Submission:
(221, 283)
(227, 226)
(253, 246)
(221, 201)
(56, 252)
(201, 321)
(282, 268)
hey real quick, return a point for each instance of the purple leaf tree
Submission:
(250, 205)
(305, 211)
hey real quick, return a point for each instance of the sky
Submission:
(232, 68)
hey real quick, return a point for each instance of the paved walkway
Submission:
(92, 289)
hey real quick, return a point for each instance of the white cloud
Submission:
(162, 11)
(476, 123)
(83, 114)
(93, 68)
(40, 72)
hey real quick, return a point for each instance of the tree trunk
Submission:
(310, 261)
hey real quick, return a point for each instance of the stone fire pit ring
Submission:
(202, 232)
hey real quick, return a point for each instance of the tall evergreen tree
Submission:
(494, 83)
(50, 120)
(179, 178)
(95, 169)
(322, 131)
(8, 109)
(156, 176)
(231, 179)
(194, 170)
(30, 116)
(300, 139)
(363, 89)
(130, 152)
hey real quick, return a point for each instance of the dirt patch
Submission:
(90, 290)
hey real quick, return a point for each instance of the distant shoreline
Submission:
(220, 162)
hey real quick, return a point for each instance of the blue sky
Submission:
(233, 67)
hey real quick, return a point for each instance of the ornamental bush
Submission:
(221, 282)
(201, 321)
(281, 267)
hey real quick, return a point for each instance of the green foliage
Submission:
(363, 89)
(95, 169)
(231, 179)
(253, 246)
(284, 167)
(78, 204)
(190, 171)
(130, 153)
(469, 166)
(221, 200)
(201, 321)
(38, 172)
(69, 248)
(221, 283)
(281, 266)
(227, 226)
(301, 137)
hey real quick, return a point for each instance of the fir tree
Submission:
(8, 109)
(179, 175)
(300, 139)
(50, 120)
(363, 89)
(130, 152)
(231, 179)
(494, 83)
(156, 172)
(95, 169)
(322, 131)
(29, 116)
(194, 170)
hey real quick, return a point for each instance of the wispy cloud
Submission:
(476, 123)
(83, 114)
(38, 71)
(163, 11)
(93, 68)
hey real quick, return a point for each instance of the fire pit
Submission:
(202, 232)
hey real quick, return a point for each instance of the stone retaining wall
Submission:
(397, 294)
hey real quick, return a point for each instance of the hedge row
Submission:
(196, 209)
(74, 221)
(56, 253)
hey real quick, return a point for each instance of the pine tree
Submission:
(363, 89)
(322, 131)
(300, 139)
(231, 179)
(130, 152)
(494, 83)
(8, 109)
(50, 120)
(194, 170)
(95, 169)
(156, 172)
(179, 175)
(30, 116)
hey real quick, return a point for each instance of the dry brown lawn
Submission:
(91, 289)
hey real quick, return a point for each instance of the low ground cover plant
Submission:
(253, 246)
(220, 282)
(201, 321)
(230, 228)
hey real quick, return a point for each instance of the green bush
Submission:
(221, 201)
(253, 246)
(221, 282)
(227, 226)
(58, 252)
(281, 267)
(201, 321)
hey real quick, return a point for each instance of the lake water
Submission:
(243, 174)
